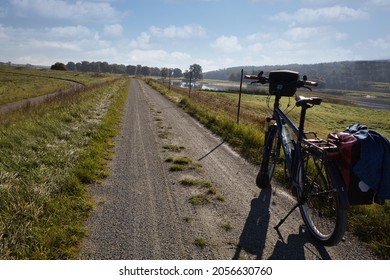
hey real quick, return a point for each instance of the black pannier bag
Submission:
(283, 82)
(349, 155)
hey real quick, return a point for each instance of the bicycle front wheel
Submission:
(271, 156)
(322, 206)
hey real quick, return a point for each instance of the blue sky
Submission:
(177, 33)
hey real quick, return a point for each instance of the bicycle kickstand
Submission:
(285, 218)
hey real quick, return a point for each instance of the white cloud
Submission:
(262, 36)
(302, 33)
(379, 46)
(181, 32)
(144, 40)
(141, 42)
(328, 14)
(113, 31)
(160, 58)
(70, 32)
(227, 44)
(39, 44)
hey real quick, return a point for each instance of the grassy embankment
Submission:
(48, 154)
(218, 111)
(21, 83)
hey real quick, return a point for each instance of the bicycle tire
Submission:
(322, 206)
(271, 154)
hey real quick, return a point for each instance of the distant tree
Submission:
(138, 70)
(165, 72)
(85, 66)
(71, 66)
(196, 70)
(155, 71)
(235, 77)
(58, 66)
(145, 71)
(177, 73)
(130, 69)
(105, 67)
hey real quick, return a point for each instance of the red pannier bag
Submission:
(350, 154)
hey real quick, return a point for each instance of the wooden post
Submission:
(189, 89)
(239, 97)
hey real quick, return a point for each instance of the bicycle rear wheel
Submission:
(322, 207)
(271, 155)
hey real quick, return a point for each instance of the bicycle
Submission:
(309, 163)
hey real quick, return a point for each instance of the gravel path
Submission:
(143, 211)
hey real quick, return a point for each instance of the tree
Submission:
(196, 70)
(130, 69)
(145, 71)
(71, 66)
(177, 73)
(58, 66)
(165, 72)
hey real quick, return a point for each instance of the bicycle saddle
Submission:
(301, 100)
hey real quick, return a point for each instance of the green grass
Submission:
(199, 199)
(182, 160)
(217, 111)
(183, 163)
(18, 83)
(194, 182)
(226, 226)
(18, 87)
(47, 157)
(173, 148)
(200, 242)
(177, 167)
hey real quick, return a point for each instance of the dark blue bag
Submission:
(373, 167)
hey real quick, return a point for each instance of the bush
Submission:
(58, 66)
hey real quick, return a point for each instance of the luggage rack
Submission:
(324, 148)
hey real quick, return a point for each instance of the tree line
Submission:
(194, 72)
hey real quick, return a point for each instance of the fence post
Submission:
(239, 98)
(189, 89)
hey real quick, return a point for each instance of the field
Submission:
(48, 153)
(22, 83)
(218, 112)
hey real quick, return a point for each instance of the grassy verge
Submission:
(217, 112)
(47, 156)
(18, 83)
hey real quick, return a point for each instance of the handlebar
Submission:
(264, 80)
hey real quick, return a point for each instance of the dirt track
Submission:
(142, 209)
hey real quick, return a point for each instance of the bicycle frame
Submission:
(280, 119)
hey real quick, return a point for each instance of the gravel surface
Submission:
(143, 210)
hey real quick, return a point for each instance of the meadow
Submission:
(18, 83)
(49, 153)
(218, 112)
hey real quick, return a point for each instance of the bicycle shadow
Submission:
(254, 233)
(252, 239)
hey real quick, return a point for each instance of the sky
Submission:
(215, 34)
